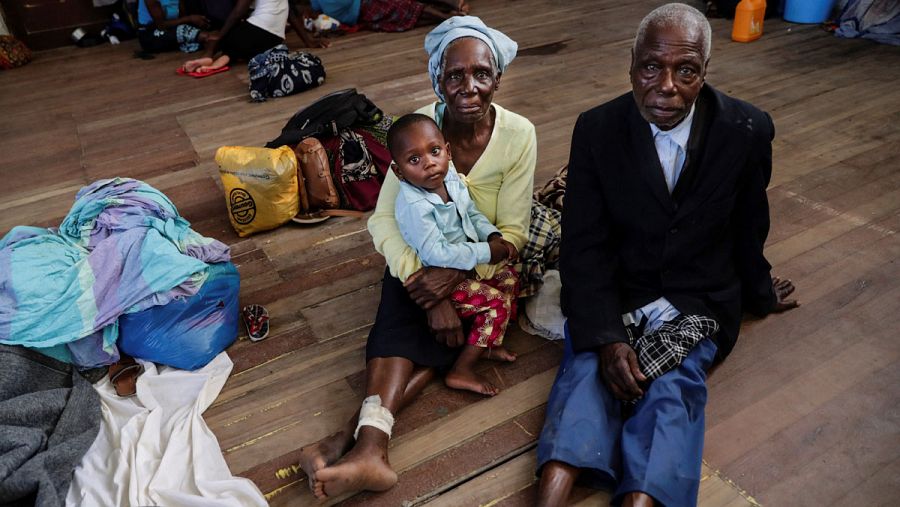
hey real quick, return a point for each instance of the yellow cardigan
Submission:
(500, 183)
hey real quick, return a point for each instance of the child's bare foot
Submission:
(463, 7)
(498, 354)
(192, 65)
(323, 453)
(359, 470)
(469, 380)
(463, 375)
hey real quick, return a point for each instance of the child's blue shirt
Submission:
(447, 235)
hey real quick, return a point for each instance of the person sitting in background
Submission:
(438, 220)
(243, 37)
(164, 26)
(389, 15)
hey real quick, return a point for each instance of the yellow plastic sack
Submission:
(260, 186)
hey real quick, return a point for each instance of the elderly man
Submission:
(663, 230)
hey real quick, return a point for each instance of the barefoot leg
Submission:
(327, 451)
(431, 14)
(463, 375)
(498, 353)
(366, 466)
(459, 6)
(637, 499)
(192, 65)
(557, 479)
(218, 63)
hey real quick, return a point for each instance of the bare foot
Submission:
(498, 354)
(214, 65)
(192, 65)
(468, 380)
(359, 470)
(323, 453)
(463, 7)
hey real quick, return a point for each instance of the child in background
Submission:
(438, 219)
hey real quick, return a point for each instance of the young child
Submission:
(438, 219)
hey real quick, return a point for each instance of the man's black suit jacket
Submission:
(627, 241)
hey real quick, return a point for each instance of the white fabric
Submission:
(155, 448)
(671, 146)
(373, 414)
(270, 15)
(542, 315)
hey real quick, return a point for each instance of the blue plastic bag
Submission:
(187, 332)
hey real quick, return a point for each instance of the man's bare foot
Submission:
(359, 470)
(468, 380)
(323, 453)
(637, 499)
(498, 354)
(192, 65)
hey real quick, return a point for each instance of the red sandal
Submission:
(256, 320)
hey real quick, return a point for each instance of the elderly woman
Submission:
(417, 329)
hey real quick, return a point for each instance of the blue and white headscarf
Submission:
(437, 40)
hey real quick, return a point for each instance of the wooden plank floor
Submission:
(804, 412)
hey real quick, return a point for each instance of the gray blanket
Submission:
(49, 417)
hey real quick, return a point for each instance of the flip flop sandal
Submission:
(315, 217)
(256, 320)
(200, 73)
(124, 374)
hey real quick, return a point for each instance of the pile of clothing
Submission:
(123, 271)
(278, 72)
(122, 248)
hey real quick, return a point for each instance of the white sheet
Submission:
(155, 448)
(542, 315)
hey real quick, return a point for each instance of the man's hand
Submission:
(620, 371)
(317, 42)
(783, 289)
(198, 20)
(445, 324)
(429, 286)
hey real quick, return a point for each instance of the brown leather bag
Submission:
(317, 190)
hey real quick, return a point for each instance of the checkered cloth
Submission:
(541, 251)
(665, 348)
(390, 15)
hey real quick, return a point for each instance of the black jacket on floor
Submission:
(627, 242)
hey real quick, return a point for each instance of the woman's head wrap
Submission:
(437, 40)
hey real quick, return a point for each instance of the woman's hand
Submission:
(430, 286)
(445, 324)
(502, 249)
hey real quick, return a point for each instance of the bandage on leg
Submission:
(373, 414)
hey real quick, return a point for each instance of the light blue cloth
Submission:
(655, 314)
(345, 11)
(671, 146)
(436, 42)
(170, 9)
(122, 248)
(871, 19)
(447, 235)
